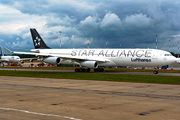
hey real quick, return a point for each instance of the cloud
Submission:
(111, 22)
(88, 24)
(65, 21)
(14, 22)
(131, 22)
(1, 40)
(137, 21)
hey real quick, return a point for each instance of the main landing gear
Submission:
(88, 70)
(82, 70)
(98, 69)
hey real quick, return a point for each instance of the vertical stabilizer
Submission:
(1, 52)
(37, 40)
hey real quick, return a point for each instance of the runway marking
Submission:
(35, 113)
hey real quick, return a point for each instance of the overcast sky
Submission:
(133, 22)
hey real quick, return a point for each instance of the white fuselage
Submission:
(10, 59)
(114, 57)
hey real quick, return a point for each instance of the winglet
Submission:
(8, 50)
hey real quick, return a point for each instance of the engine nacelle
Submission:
(22, 61)
(31, 60)
(89, 64)
(52, 60)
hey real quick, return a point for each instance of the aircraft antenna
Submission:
(169, 45)
(156, 41)
(88, 42)
(60, 38)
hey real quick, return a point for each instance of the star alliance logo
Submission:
(37, 41)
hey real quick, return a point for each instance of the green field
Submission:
(105, 69)
(96, 76)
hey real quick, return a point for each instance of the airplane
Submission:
(99, 58)
(9, 59)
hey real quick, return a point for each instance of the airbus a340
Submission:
(99, 58)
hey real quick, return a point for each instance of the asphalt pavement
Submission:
(27, 98)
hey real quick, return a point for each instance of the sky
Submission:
(129, 22)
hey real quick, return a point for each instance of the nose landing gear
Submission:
(155, 70)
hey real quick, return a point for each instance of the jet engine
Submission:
(22, 61)
(89, 64)
(52, 60)
(31, 60)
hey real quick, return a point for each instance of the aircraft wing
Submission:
(61, 56)
(22, 49)
(82, 58)
(28, 58)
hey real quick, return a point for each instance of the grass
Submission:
(96, 76)
(106, 69)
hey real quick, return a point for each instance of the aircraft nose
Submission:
(171, 60)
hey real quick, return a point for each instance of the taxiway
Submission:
(62, 99)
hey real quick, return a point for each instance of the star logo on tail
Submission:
(37, 41)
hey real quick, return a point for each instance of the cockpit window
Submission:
(167, 55)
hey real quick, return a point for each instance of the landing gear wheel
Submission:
(98, 69)
(80, 69)
(83, 70)
(88, 70)
(76, 70)
(155, 72)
